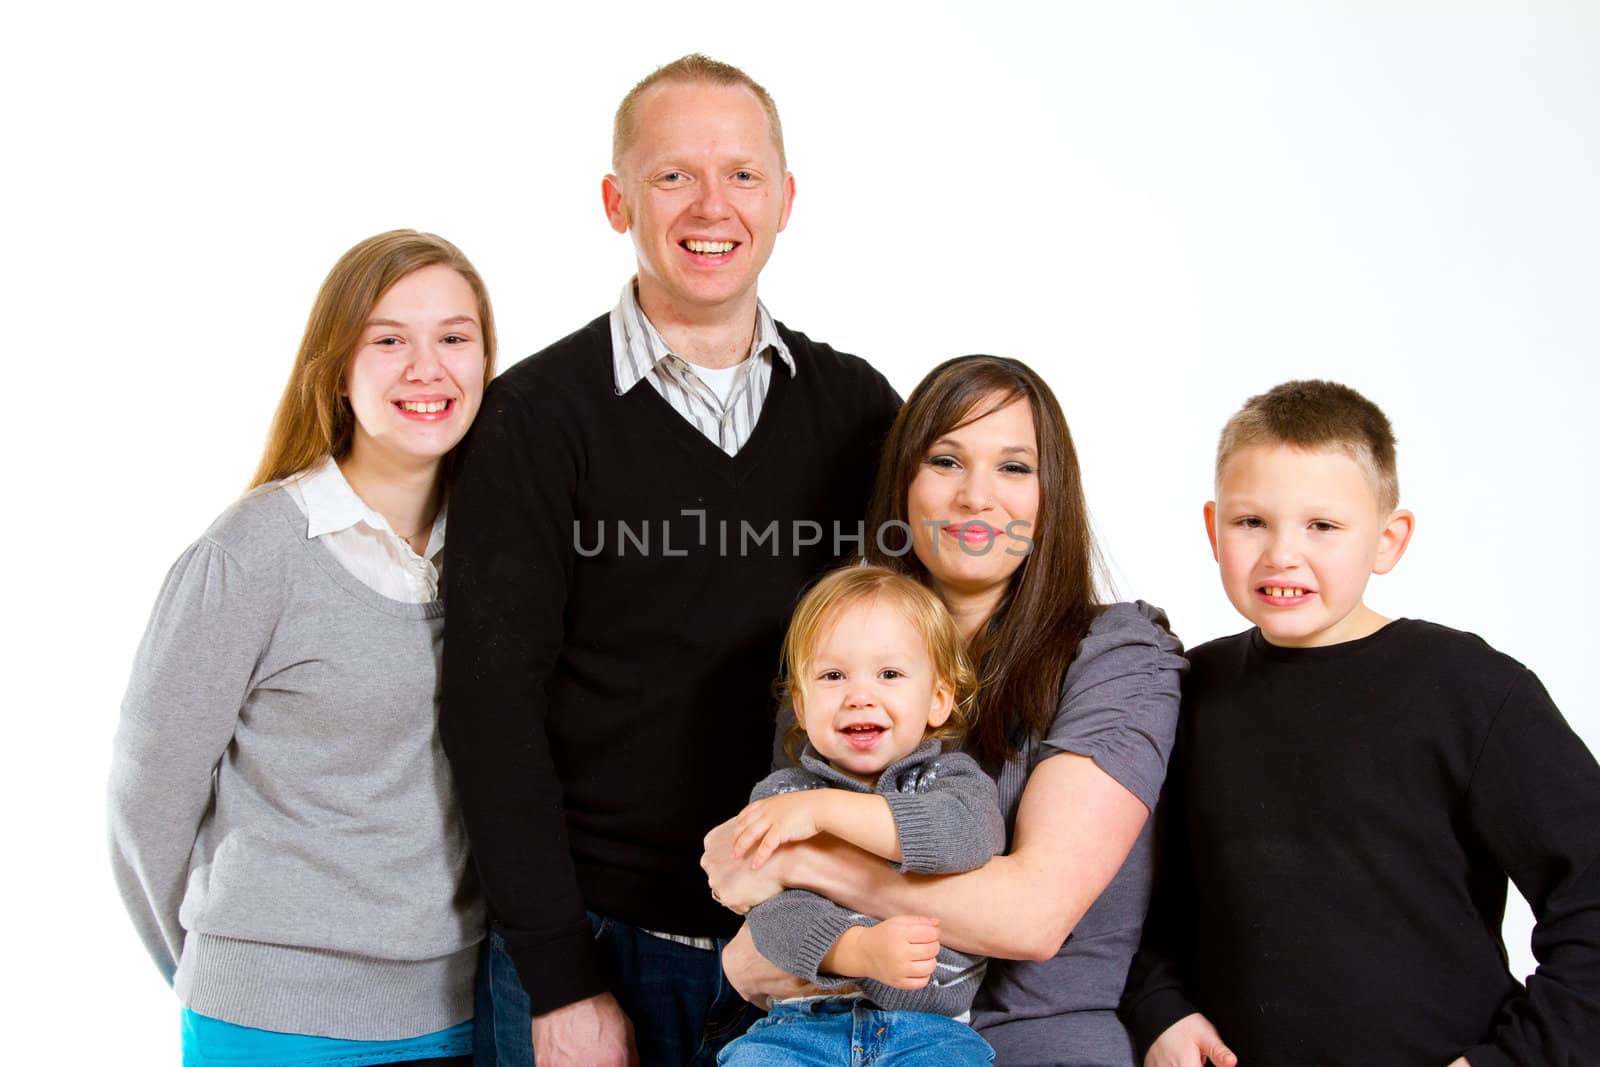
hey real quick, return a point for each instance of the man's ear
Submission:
(616, 208)
(788, 200)
(1393, 540)
(1211, 527)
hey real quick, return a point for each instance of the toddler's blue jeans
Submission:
(854, 1032)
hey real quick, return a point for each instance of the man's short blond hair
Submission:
(691, 68)
(1316, 415)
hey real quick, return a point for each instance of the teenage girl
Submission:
(283, 828)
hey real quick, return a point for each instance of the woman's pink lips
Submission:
(973, 533)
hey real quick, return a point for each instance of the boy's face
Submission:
(1297, 534)
(869, 694)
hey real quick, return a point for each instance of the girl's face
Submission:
(869, 694)
(974, 500)
(417, 377)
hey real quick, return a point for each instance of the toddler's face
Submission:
(869, 695)
(1297, 534)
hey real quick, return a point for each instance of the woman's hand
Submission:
(759, 980)
(733, 884)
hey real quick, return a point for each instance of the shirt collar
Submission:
(331, 506)
(636, 345)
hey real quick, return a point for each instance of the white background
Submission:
(1164, 208)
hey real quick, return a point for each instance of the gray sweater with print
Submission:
(283, 828)
(947, 813)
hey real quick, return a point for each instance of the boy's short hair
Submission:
(1318, 415)
(691, 68)
(861, 583)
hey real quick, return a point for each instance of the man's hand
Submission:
(733, 884)
(773, 821)
(592, 1032)
(1189, 1042)
(900, 951)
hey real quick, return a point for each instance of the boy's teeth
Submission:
(1284, 590)
(424, 407)
(715, 248)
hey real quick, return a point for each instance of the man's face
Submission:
(704, 193)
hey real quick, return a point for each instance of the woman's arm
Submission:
(1075, 827)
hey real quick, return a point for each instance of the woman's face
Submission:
(974, 501)
(417, 377)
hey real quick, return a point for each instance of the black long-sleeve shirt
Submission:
(618, 587)
(1336, 836)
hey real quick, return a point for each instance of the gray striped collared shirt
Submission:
(639, 352)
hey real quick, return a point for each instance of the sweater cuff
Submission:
(803, 958)
(928, 843)
(1150, 1018)
(556, 969)
(923, 848)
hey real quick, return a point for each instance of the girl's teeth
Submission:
(426, 407)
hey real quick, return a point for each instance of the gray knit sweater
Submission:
(283, 828)
(947, 813)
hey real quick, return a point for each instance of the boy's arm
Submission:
(1154, 1000)
(949, 824)
(952, 823)
(796, 930)
(1534, 799)
(862, 819)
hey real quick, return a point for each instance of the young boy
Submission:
(1349, 794)
(879, 682)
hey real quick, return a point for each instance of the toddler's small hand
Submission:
(901, 951)
(765, 825)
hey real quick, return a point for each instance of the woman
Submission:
(284, 832)
(1076, 712)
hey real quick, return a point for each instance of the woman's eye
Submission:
(454, 339)
(1017, 468)
(389, 341)
(944, 462)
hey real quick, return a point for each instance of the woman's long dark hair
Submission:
(1024, 650)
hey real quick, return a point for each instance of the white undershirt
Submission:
(362, 540)
(721, 380)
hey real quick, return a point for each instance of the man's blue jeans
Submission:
(683, 1010)
(854, 1032)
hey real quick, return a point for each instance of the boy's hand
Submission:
(768, 823)
(898, 952)
(1189, 1042)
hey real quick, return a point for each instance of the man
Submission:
(636, 511)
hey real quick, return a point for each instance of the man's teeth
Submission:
(424, 407)
(1283, 590)
(709, 248)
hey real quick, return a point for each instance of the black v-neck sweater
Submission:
(618, 587)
